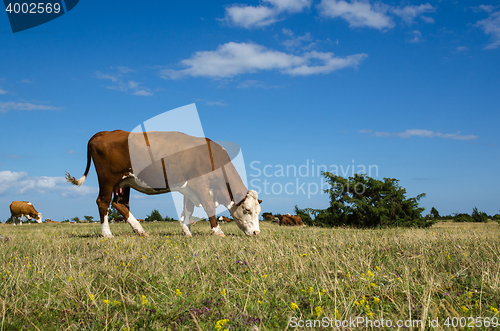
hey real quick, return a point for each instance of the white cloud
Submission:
(491, 26)
(357, 13)
(409, 13)
(232, 59)
(250, 83)
(27, 81)
(22, 184)
(122, 83)
(376, 15)
(250, 16)
(142, 92)
(417, 36)
(259, 16)
(2, 91)
(100, 75)
(292, 6)
(216, 103)
(125, 70)
(295, 41)
(6, 106)
(481, 8)
(421, 133)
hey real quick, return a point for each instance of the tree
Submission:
(75, 219)
(89, 218)
(479, 216)
(113, 213)
(365, 202)
(435, 213)
(154, 216)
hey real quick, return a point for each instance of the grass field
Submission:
(66, 277)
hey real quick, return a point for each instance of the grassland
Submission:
(66, 277)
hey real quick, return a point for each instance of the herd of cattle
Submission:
(21, 209)
(162, 162)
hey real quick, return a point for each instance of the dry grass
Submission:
(65, 277)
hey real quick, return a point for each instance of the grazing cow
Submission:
(224, 219)
(48, 220)
(118, 219)
(198, 168)
(290, 220)
(24, 208)
(140, 220)
(269, 217)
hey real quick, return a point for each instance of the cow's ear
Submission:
(260, 201)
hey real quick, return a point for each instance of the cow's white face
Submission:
(38, 218)
(246, 215)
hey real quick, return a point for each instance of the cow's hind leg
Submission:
(121, 203)
(103, 201)
(186, 217)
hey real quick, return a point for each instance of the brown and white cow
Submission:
(24, 208)
(291, 220)
(198, 168)
(224, 219)
(48, 220)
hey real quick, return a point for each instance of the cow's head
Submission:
(38, 218)
(246, 213)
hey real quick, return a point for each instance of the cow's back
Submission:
(22, 207)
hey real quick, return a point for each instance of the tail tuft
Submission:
(75, 181)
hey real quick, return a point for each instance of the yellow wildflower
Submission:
(318, 311)
(220, 324)
(92, 297)
(294, 306)
(337, 315)
(178, 292)
(117, 303)
(264, 276)
(223, 292)
(348, 274)
(144, 301)
(378, 268)
(376, 300)
(106, 301)
(465, 309)
(70, 279)
(370, 274)
(311, 290)
(373, 285)
(303, 255)
(493, 309)
(469, 294)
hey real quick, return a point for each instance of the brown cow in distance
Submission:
(48, 220)
(269, 217)
(288, 219)
(224, 219)
(24, 208)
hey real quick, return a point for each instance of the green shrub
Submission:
(365, 202)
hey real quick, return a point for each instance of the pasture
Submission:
(66, 277)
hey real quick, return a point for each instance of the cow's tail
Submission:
(80, 181)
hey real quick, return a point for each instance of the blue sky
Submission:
(410, 88)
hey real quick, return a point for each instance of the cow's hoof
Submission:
(189, 235)
(108, 236)
(143, 234)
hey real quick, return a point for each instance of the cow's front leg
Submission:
(186, 216)
(21, 220)
(216, 230)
